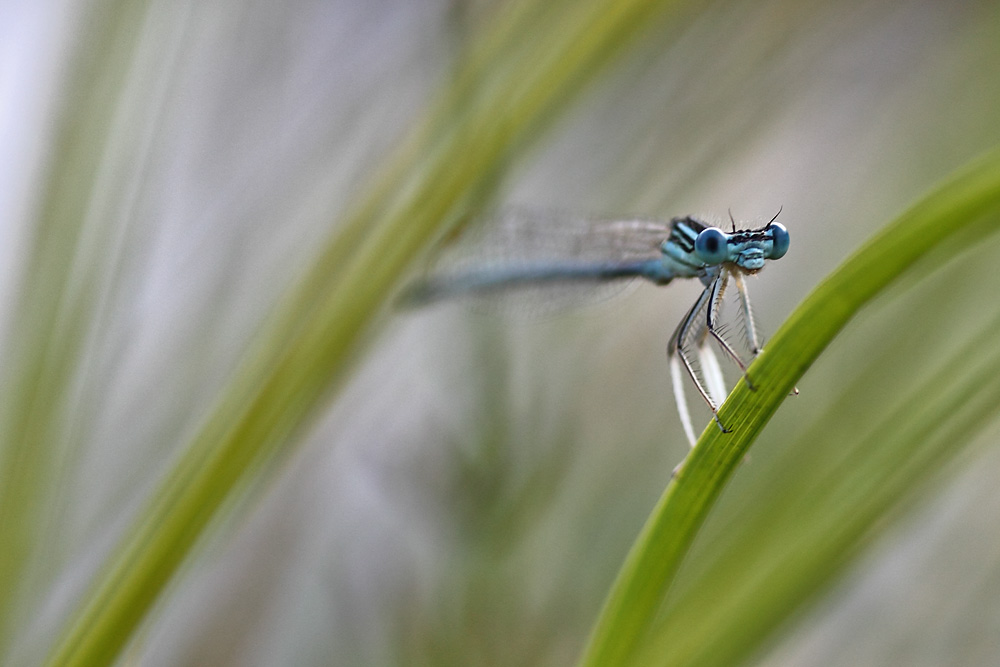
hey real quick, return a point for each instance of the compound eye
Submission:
(711, 246)
(779, 240)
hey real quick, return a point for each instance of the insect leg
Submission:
(676, 350)
(751, 329)
(717, 288)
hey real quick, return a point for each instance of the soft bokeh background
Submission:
(472, 489)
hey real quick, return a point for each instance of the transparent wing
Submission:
(547, 234)
(526, 258)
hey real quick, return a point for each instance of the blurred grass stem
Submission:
(512, 83)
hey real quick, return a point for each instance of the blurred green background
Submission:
(467, 490)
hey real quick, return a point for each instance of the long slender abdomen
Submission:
(487, 281)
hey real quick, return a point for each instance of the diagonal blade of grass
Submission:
(965, 200)
(799, 545)
(46, 340)
(825, 495)
(498, 103)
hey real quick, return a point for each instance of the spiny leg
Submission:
(750, 327)
(676, 350)
(717, 288)
(677, 378)
(711, 370)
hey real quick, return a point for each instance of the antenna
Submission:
(775, 216)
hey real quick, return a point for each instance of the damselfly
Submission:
(608, 250)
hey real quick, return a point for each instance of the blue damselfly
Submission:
(548, 249)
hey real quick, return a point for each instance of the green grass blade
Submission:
(58, 290)
(971, 199)
(830, 516)
(510, 86)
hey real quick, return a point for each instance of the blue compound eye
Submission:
(779, 240)
(711, 246)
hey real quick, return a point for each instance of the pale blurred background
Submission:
(473, 488)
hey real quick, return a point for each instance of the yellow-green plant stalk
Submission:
(511, 83)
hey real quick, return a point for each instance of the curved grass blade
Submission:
(970, 199)
(66, 269)
(829, 512)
